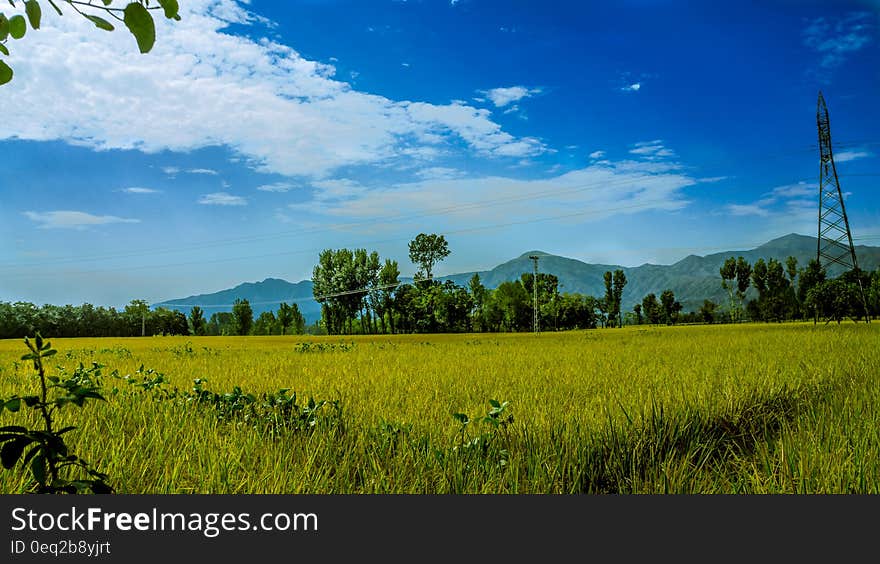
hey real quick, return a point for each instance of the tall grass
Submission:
(731, 409)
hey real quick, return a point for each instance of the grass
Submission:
(786, 408)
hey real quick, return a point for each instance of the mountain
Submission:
(263, 296)
(693, 278)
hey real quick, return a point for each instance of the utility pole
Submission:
(535, 292)
(835, 245)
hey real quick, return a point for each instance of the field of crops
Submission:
(709, 409)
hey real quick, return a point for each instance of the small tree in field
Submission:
(243, 315)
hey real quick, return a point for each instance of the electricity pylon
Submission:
(835, 245)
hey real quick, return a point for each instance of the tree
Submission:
(670, 306)
(382, 297)
(618, 282)
(197, 320)
(427, 250)
(136, 313)
(707, 311)
(243, 316)
(266, 324)
(136, 17)
(479, 295)
(834, 299)
(637, 309)
(285, 317)
(813, 275)
(652, 309)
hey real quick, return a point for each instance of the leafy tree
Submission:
(707, 311)
(637, 309)
(608, 308)
(670, 306)
(135, 15)
(514, 305)
(813, 275)
(136, 313)
(834, 300)
(285, 317)
(652, 309)
(479, 295)
(197, 321)
(618, 282)
(243, 316)
(382, 298)
(426, 250)
(266, 324)
(290, 316)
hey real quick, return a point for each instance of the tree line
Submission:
(20, 319)
(360, 293)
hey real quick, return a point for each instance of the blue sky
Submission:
(255, 134)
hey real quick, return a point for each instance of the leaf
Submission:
(3, 49)
(50, 352)
(4, 27)
(38, 468)
(171, 7)
(494, 403)
(11, 451)
(100, 22)
(13, 405)
(32, 9)
(140, 23)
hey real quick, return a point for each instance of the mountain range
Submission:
(693, 278)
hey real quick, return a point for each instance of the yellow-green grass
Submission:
(745, 408)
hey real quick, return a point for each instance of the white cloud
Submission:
(634, 87)
(591, 193)
(67, 219)
(277, 187)
(293, 116)
(203, 171)
(222, 199)
(845, 156)
(139, 190)
(651, 150)
(787, 199)
(504, 96)
(437, 172)
(747, 209)
(835, 40)
(597, 154)
(170, 170)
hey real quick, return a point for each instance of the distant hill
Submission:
(693, 278)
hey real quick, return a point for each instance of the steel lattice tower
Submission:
(835, 244)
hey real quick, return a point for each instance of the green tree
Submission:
(618, 283)
(707, 311)
(479, 294)
(243, 316)
(266, 324)
(652, 309)
(670, 307)
(197, 320)
(608, 305)
(426, 250)
(637, 309)
(136, 313)
(135, 15)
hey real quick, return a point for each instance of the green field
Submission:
(789, 408)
